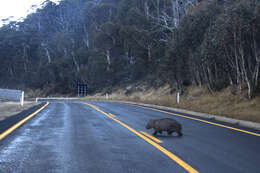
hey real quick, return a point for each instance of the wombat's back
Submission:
(168, 123)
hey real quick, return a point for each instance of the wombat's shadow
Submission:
(167, 136)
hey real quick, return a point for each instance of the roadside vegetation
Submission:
(198, 99)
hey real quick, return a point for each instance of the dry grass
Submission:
(198, 99)
(8, 109)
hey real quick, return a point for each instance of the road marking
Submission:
(95, 107)
(162, 149)
(11, 129)
(204, 121)
(112, 115)
(152, 137)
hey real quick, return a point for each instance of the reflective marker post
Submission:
(22, 98)
(178, 97)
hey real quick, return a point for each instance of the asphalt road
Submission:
(105, 137)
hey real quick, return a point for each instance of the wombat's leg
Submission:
(155, 132)
(160, 132)
(179, 133)
(170, 132)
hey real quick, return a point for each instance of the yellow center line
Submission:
(95, 107)
(152, 137)
(204, 121)
(162, 149)
(11, 129)
(112, 115)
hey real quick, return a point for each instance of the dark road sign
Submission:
(82, 90)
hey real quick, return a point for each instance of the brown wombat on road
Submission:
(165, 124)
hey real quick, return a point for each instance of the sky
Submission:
(17, 8)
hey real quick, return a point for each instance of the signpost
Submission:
(82, 90)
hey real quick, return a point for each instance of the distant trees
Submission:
(110, 42)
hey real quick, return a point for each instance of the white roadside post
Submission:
(22, 98)
(178, 97)
(106, 96)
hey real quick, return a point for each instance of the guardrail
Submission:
(12, 95)
(54, 98)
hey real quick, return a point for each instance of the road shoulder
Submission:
(10, 121)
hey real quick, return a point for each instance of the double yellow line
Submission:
(162, 149)
(11, 129)
(152, 137)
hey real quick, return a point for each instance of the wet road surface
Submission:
(105, 137)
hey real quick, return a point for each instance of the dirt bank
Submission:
(199, 99)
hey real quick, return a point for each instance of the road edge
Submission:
(19, 119)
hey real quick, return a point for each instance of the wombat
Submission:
(165, 124)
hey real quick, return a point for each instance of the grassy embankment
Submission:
(8, 109)
(198, 99)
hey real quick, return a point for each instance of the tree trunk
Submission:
(158, 10)
(256, 54)
(47, 54)
(248, 79)
(39, 24)
(108, 59)
(11, 70)
(149, 53)
(25, 59)
(75, 61)
(146, 9)
(175, 12)
(250, 89)
(86, 39)
(110, 15)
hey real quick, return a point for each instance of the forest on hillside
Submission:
(107, 43)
